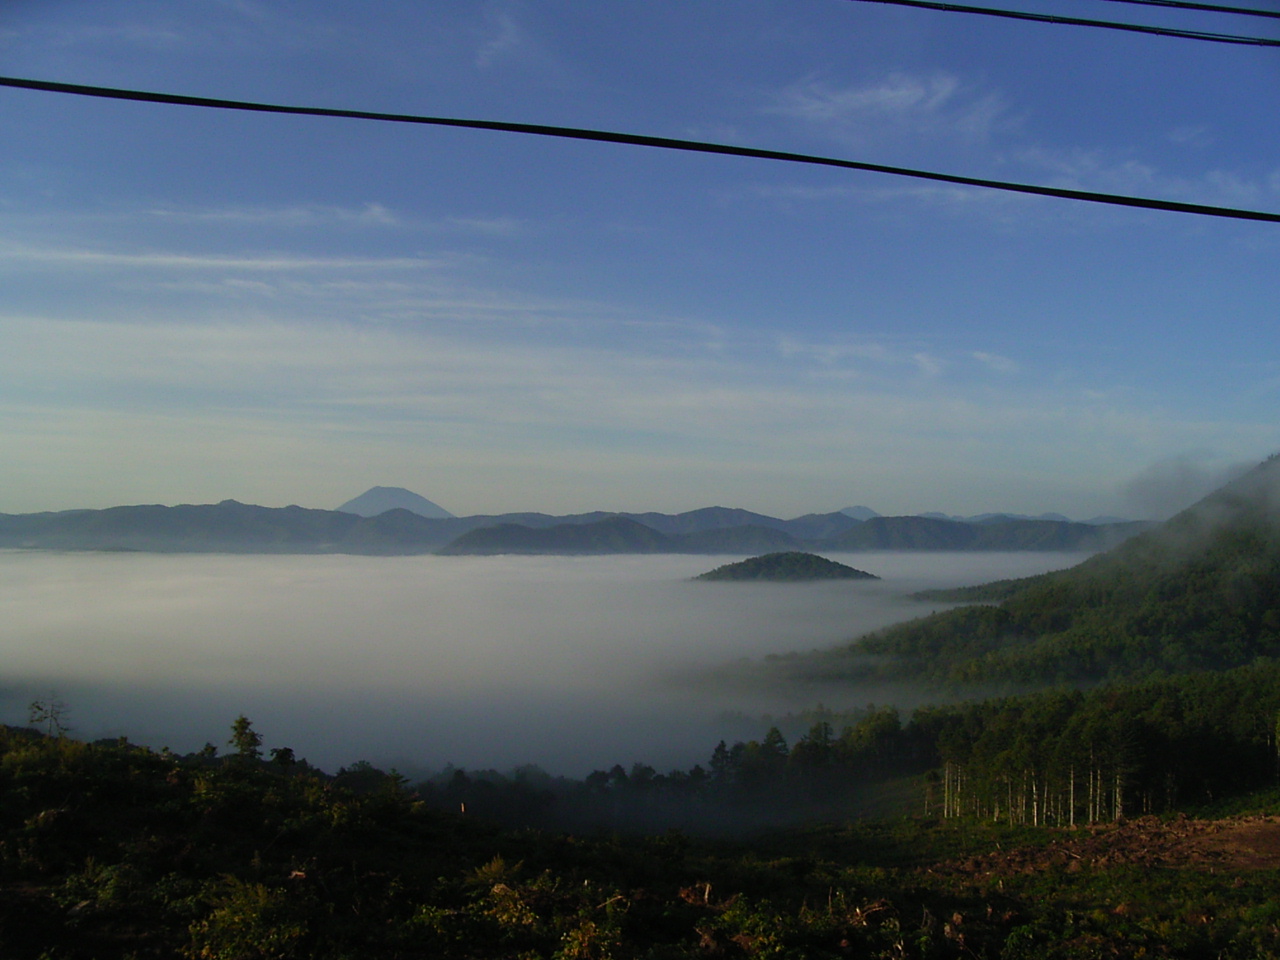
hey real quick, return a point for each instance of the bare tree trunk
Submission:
(1072, 800)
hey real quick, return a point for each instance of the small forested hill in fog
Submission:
(378, 500)
(1200, 592)
(789, 566)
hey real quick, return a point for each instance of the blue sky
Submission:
(199, 305)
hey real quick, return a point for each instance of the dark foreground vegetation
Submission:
(113, 850)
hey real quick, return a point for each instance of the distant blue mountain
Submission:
(377, 500)
(1004, 517)
(1000, 517)
(860, 513)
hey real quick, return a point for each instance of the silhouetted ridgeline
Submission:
(232, 527)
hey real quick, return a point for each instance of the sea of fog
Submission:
(571, 663)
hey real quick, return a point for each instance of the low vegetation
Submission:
(110, 850)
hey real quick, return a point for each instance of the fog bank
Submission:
(565, 662)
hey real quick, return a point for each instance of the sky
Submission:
(200, 305)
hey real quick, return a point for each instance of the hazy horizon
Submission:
(1155, 493)
(418, 662)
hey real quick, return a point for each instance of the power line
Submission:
(631, 139)
(1079, 22)
(1209, 7)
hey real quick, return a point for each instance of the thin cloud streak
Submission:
(508, 38)
(303, 392)
(309, 215)
(993, 361)
(933, 107)
(62, 257)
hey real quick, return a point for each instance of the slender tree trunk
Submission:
(1072, 800)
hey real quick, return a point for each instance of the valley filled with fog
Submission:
(571, 663)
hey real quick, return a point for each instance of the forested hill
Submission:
(790, 565)
(1200, 592)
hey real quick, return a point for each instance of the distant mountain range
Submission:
(866, 513)
(232, 527)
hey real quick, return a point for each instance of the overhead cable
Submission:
(1208, 7)
(1079, 22)
(631, 139)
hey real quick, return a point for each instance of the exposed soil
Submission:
(1231, 845)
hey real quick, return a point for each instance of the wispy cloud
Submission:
(150, 260)
(897, 194)
(1191, 136)
(1116, 172)
(1079, 169)
(356, 221)
(488, 226)
(993, 361)
(940, 108)
(896, 107)
(371, 214)
(833, 353)
(862, 357)
(928, 364)
(137, 35)
(312, 391)
(506, 37)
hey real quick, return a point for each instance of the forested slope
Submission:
(1200, 592)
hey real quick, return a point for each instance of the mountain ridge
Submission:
(234, 527)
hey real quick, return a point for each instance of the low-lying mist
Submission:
(571, 663)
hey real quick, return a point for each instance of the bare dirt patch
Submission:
(1233, 845)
